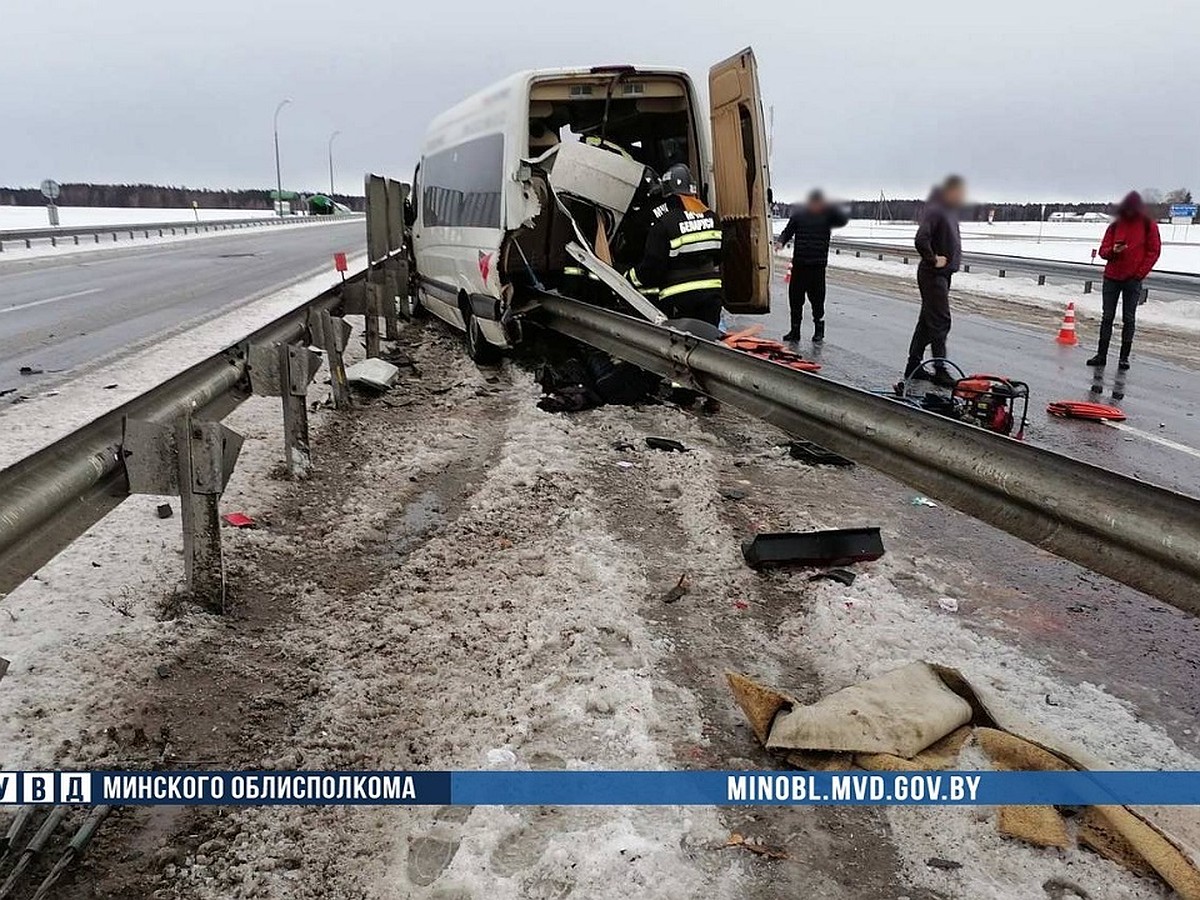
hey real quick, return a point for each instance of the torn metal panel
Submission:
(599, 176)
(615, 280)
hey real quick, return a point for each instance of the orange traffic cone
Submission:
(787, 276)
(1066, 334)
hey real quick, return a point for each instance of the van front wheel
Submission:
(478, 347)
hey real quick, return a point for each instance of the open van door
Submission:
(739, 148)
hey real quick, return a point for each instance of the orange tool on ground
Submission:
(1095, 412)
(773, 351)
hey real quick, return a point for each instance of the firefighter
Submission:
(680, 271)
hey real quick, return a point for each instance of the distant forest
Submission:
(154, 196)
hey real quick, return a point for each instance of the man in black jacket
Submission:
(680, 271)
(810, 228)
(940, 246)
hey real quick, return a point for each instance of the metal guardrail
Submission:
(101, 233)
(169, 440)
(1142, 535)
(1167, 282)
(51, 497)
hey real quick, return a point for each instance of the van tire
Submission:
(411, 305)
(479, 349)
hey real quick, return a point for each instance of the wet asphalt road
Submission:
(867, 335)
(62, 314)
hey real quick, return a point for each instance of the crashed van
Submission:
(550, 175)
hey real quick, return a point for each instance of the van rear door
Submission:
(741, 179)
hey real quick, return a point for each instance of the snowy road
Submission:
(871, 318)
(64, 313)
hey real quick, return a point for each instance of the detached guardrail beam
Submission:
(1145, 536)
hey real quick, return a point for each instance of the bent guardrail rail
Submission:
(1145, 536)
(1168, 282)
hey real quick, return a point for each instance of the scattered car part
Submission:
(836, 547)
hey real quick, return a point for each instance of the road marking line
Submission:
(33, 303)
(1182, 448)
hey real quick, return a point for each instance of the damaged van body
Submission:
(546, 181)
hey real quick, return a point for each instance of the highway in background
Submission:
(59, 314)
(867, 341)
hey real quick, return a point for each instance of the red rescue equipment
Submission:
(773, 351)
(1094, 412)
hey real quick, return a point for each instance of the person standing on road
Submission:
(940, 247)
(1131, 246)
(809, 229)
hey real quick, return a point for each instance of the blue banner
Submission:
(602, 788)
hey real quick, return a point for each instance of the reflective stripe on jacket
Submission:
(683, 250)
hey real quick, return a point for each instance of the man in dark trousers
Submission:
(1131, 246)
(940, 247)
(809, 228)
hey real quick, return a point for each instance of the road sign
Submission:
(1183, 210)
(51, 189)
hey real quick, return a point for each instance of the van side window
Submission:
(462, 184)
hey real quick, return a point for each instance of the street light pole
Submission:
(278, 174)
(331, 137)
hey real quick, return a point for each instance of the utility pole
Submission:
(278, 173)
(331, 137)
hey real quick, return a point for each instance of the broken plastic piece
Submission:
(669, 445)
(374, 374)
(923, 501)
(681, 588)
(815, 454)
(238, 520)
(837, 547)
(841, 576)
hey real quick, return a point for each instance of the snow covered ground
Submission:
(466, 581)
(1063, 241)
(24, 217)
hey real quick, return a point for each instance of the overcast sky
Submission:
(1053, 99)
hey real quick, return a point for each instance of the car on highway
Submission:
(510, 177)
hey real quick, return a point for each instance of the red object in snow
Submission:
(238, 520)
(485, 265)
(339, 261)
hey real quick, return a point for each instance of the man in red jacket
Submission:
(1131, 245)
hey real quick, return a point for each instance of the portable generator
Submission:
(992, 402)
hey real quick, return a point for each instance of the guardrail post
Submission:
(857, 254)
(1145, 295)
(1087, 286)
(76, 240)
(285, 370)
(374, 291)
(97, 237)
(193, 459)
(905, 258)
(391, 290)
(1041, 279)
(28, 243)
(966, 267)
(53, 241)
(1001, 273)
(881, 257)
(332, 335)
(293, 362)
